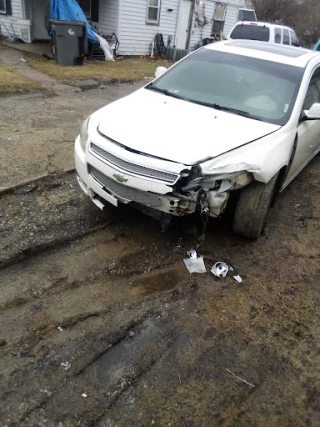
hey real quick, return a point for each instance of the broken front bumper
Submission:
(102, 182)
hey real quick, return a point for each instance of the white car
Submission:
(264, 31)
(234, 116)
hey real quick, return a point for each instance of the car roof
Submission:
(263, 24)
(296, 56)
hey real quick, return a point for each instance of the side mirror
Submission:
(313, 113)
(160, 71)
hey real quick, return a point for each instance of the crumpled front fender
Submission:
(263, 158)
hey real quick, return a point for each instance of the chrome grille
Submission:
(123, 191)
(132, 168)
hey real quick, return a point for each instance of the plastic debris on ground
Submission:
(224, 268)
(66, 365)
(107, 50)
(220, 268)
(194, 263)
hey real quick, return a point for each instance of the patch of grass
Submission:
(121, 70)
(11, 81)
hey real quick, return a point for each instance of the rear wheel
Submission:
(252, 208)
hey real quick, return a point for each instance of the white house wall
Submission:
(231, 18)
(135, 35)
(9, 23)
(108, 17)
(199, 32)
(232, 9)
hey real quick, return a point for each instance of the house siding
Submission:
(108, 17)
(231, 18)
(200, 32)
(9, 23)
(135, 35)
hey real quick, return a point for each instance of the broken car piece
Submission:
(220, 269)
(223, 268)
(194, 264)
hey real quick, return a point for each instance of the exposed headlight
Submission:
(84, 133)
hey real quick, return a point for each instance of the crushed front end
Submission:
(110, 172)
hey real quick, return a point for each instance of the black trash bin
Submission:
(70, 41)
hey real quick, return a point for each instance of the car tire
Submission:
(252, 207)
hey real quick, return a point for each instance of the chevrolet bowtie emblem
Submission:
(119, 177)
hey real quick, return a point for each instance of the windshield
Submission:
(251, 87)
(251, 32)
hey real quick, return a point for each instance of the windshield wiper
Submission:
(205, 104)
(240, 113)
(166, 92)
(228, 109)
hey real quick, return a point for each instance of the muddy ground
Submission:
(102, 325)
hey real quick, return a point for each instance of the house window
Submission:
(86, 7)
(218, 19)
(247, 15)
(153, 12)
(5, 7)
(90, 9)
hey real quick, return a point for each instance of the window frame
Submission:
(7, 8)
(94, 10)
(4, 11)
(220, 21)
(247, 10)
(151, 21)
(88, 16)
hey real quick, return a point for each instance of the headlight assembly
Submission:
(84, 133)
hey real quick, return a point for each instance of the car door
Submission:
(308, 141)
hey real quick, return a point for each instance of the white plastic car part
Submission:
(220, 269)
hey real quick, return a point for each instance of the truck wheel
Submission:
(252, 208)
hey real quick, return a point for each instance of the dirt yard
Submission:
(102, 325)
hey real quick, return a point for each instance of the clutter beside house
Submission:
(169, 28)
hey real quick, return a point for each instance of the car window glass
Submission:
(313, 92)
(277, 35)
(286, 39)
(251, 32)
(294, 40)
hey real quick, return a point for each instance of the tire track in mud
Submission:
(122, 364)
(89, 357)
(48, 214)
(84, 266)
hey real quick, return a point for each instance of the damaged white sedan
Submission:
(234, 116)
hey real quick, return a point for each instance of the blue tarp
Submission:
(69, 10)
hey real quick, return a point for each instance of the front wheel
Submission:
(252, 208)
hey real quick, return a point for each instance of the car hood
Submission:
(172, 129)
